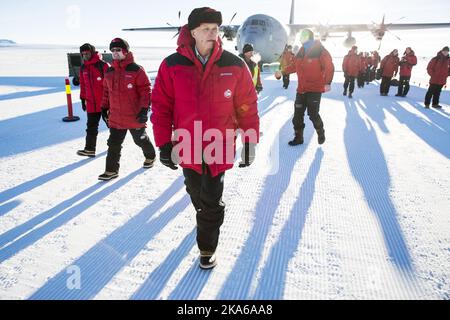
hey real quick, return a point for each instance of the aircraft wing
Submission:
(152, 29)
(172, 28)
(368, 27)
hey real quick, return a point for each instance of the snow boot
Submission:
(321, 136)
(86, 153)
(344, 93)
(350, 95)
(427, 106)
(298, 139)
(207, 260)
(148, 163)
(108, 176)
(436, 106)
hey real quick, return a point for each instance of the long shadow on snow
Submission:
(49, 85)
(368, 166)
(237, 285)
(5, 208)
(273, 277)
(99, 265)
(40, 129)
(35, 234)
(36, 182)
(435, 132)
(158, 279)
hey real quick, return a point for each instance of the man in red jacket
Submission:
(408, 61)
(351, 65)
(438, 69)
(202, 95)
(389, 65)
(91, 92)
(125, 104)
(315, 71)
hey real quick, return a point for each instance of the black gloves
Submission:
(142, 115)
(83, 105)
(105, 116)
(247, 155)
(259, 89)
(165, 156)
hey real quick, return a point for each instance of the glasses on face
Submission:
(116, 49)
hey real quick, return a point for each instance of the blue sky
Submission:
(74, 22)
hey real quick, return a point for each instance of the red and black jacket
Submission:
(91, 83)
(190, 97)
(314, 68)
(439, 69)
(127, 90)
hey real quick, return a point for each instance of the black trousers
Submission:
(361, 80)
(206, 196)
(307, 101)
(403, 86)
(349, 81)
(385, 85)
(93, 120)
(286, 80)
(434, 91)
(115, 141)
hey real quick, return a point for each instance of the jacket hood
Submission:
(95, 58)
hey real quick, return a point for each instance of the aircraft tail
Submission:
(291, 17)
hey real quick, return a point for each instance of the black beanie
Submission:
(87, 47)
(247, 47)
(445, 49)
(204, 15)
(119, 43)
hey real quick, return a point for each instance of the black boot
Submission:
(344, 93)
(321, 136)
(298, 139)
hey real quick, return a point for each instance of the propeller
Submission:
(179, 25)
(228, 30)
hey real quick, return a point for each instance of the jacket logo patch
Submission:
(227, 94)
(99, 79)
(130, 86)
(226, 74)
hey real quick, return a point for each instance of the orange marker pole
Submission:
(70, 118)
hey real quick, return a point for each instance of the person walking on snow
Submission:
(408, 61)
(315, 71)
(204, 89)
(351, 66)
(126, 102)
(438, 69)
(92, 73)
(286, 59)
(389, 66)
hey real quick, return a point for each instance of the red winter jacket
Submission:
(439, 69)
(127, 90)
(286, 59)
(195, 99)
(407, 63)
(314, 68)
(390, 64)
(91, 82)
(351, 65)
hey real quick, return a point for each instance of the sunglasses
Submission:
(116, 49)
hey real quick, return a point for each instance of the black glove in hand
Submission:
(142, 116)
(259, 89)
(247, 155)
(105, 116)
(83, 105)
(165, 156)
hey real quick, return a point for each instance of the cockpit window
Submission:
(258, 23)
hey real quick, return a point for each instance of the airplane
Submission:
(269, 36)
